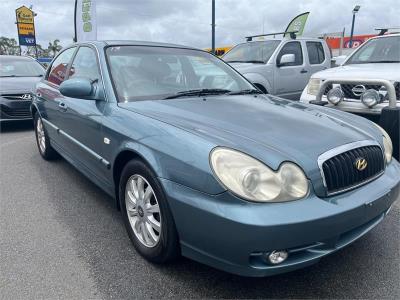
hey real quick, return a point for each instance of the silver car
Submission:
(280, 67)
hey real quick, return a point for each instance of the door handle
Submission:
(62, 106)
(303, 71)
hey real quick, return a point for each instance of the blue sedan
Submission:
(202, 164)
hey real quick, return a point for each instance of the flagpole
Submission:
(75, 36)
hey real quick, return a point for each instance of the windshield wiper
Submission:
(383, 61)
(198, 92)
(246, 92)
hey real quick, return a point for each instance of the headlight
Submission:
(387, 144)
(313, 86)
(370, 98)
(335, 96)
(252, 180)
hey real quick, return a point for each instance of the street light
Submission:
(355, 10)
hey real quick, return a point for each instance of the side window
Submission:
(315, 52)
(85, 64)
(292, 48)
(59, 67)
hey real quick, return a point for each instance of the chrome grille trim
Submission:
(342, 149)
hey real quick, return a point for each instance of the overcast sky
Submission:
(188, 21)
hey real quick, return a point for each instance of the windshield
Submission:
(381, 50)
(20, 67)
(255, 52)
(142, 73)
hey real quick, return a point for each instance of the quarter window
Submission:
(85, 64)
(59, 67)
(292, 48)
(315, 52)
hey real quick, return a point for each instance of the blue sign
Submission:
(27, 40)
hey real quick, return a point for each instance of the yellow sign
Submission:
(24, 15)
(26, 29)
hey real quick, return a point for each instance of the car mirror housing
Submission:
(287, 59)
(77, 88)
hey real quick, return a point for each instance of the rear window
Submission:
(315, 52)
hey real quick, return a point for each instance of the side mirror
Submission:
(338, 60)
(286, 59)
(77, 88)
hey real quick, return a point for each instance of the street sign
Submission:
(25, 26)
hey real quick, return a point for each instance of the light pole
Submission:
(213, 27)
(355, 10)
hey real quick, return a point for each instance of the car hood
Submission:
(388, 71)
(247, 67)
(18, 84)
(269, 128)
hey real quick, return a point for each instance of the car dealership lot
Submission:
(61, 236)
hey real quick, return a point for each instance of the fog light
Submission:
(370, 98)
(335, 96)
(277, 256)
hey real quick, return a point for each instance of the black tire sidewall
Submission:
(167, 248)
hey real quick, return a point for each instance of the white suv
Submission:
(377, 59)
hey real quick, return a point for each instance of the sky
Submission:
(188, 22)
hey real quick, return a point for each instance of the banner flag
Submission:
(298, 24)
(85, 20)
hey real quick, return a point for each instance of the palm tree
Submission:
(54, 47)
(8, 46)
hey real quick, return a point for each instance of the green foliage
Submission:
(9, 46)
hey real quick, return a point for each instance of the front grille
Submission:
(340, 172)
(348, 93)
(16, 112)
(17, 96)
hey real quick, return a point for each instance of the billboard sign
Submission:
(25, 26)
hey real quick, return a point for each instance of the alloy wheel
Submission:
(41, 135)
(143, 210)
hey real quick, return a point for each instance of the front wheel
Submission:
(146, 214)
(42, 139)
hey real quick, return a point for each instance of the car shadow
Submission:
(362, 270)
(16, 126)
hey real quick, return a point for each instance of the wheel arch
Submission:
(122, 158)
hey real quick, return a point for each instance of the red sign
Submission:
(334, 43)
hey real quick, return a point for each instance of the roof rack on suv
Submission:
(382, 31)
(292, 35)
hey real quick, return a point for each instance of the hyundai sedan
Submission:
(202, 164)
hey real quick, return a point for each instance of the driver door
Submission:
(290, 79)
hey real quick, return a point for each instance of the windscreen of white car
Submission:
(151, 73)
(380, 50)
(253, 52)
(20, 67)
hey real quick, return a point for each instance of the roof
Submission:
(102, 43)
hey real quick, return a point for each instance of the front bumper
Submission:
(15, 110)
(348, 105)
(234, 235)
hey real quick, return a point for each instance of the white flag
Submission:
(85, 20)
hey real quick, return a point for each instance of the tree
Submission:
(54, 47)
(8, 46)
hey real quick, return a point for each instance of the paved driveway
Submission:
(60, 236)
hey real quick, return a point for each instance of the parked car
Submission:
(280, 67)
(356, 86)
(18, 76)
(204, 165)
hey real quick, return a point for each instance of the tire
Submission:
(42, 139)
(141, 216)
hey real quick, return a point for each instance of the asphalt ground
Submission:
(62, 237)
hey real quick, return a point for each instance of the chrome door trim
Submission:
(75, 141)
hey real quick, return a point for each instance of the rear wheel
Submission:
(146, 214)
(42, 139)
